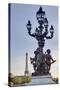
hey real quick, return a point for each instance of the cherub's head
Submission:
(48, 51)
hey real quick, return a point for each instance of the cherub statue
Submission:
(48, 59)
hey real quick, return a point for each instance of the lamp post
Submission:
(41, 33)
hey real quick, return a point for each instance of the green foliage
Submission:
(56, 80)
(20, 79)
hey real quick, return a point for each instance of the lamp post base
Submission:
(41, 80)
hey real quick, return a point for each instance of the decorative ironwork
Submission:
(41, 33)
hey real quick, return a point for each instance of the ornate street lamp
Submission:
(45, 22)
(40, 15)
(41, 33)
(29, 26)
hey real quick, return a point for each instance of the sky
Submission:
(21, 42)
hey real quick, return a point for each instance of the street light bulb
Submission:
(37, 16)
(51, 29)
(40, 13)
(28, 25)
(45, 22)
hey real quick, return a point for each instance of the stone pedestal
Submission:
(41, 80)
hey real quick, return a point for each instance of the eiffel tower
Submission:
(26, 65)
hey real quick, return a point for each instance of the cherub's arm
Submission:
(52, 59)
